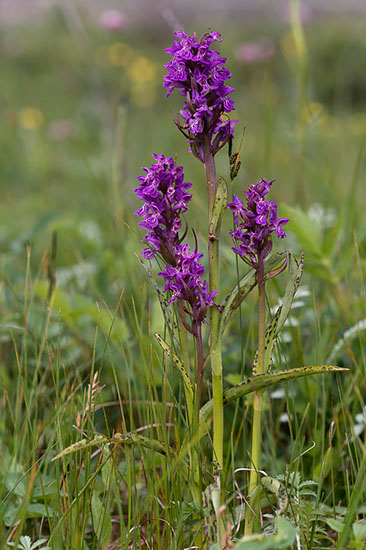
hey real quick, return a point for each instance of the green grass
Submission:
(97, 318)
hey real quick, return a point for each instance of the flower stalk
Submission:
(252, 236)
(258, 396)
(214, 283)
(200, 75)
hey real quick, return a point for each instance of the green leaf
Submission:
(38, 510)
(102, 522)
(336, 525)
(189, 510)
(256, 383)
(39, 543)
(269, 342)
(176, 362)
(10, 515)
(16, 483)
(25, 543)
(129, 439)
(219, 207)
(233, 378)
(295, 270)
(82, 445)
(277, 488)
(307, 232)
(359, 529)
(210, 506)
(246, 285)
(283, 538)
(307, 482)
(356, 496)
(259, 382)
(77, 309)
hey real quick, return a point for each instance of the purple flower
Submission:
(184, 280)
(113, 20)
(165, 199)
(256, 223)
(253, 52)
(199, 73)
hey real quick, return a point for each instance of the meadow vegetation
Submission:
(82, 111)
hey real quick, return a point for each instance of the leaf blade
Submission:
(176, 362)
(259, 382)
(245, 286)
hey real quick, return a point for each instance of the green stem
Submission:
(193, 453)
(199, 379)
(257, 400)
(213, 270)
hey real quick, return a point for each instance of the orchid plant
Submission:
(199, 74)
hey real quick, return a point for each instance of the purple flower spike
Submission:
(165, 194)
(256, 223)
(184, 280)
(165, 199)
(199, 73)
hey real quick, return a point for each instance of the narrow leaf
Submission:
(356, 496)
(256, 383)
(210, 506)
(176, 362)
(269, 342)
(219, 207)
(138, 439)
(82, 445)
(102, 522)
(277, 488)
(246, 285)
(129, 439)
(295, 270)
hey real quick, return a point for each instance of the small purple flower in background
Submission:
(166, 199)
(255, 224)
(306, 12)
(253, 52)
(199, 73)
(60, 130)
(113, 20)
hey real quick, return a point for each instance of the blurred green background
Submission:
(83, 108)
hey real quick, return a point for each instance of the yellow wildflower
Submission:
(31, 118)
